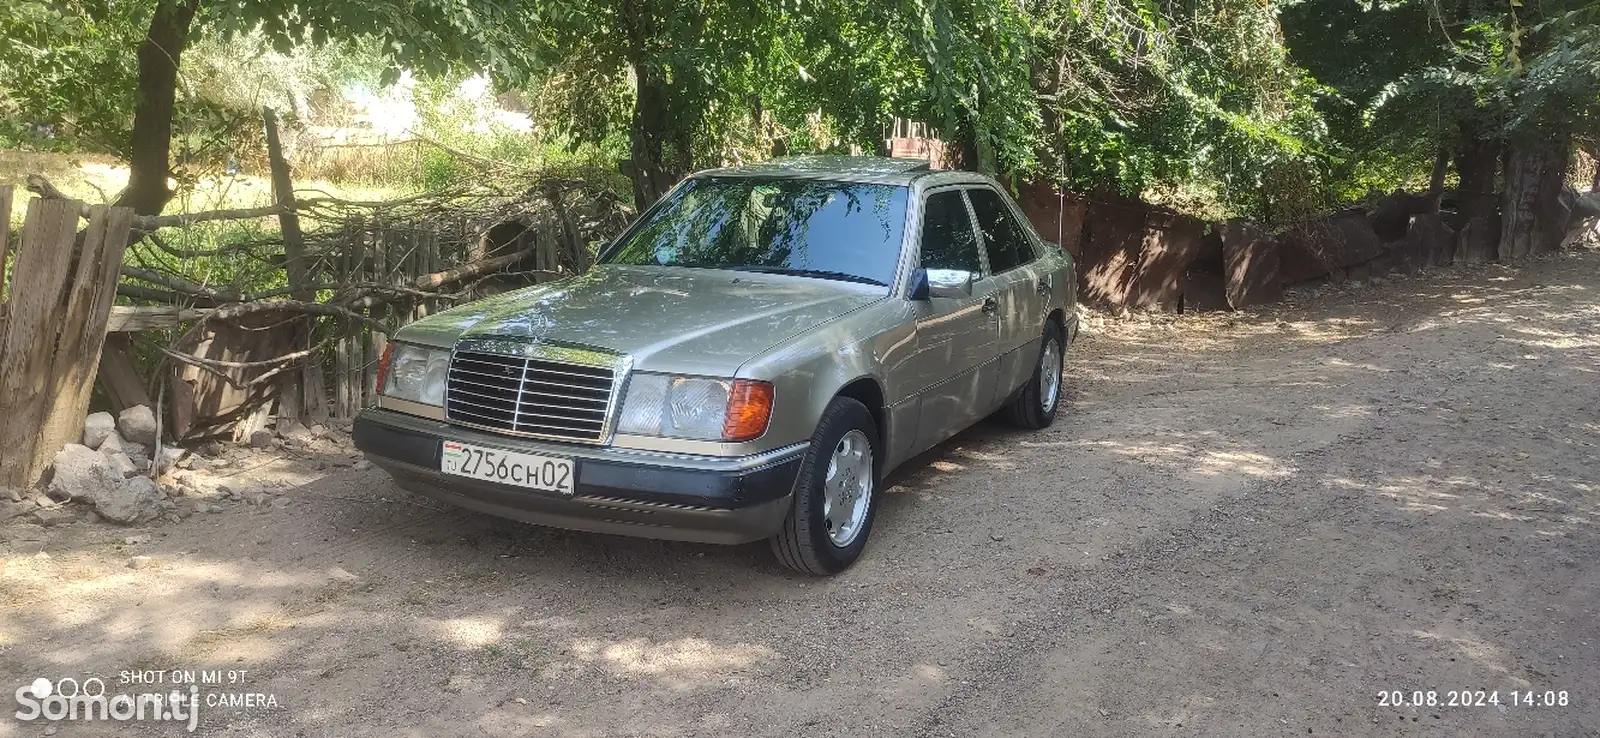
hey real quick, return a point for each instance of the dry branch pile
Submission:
(341, 275)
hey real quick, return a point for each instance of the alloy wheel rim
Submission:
(847, 490)
(1050, 375)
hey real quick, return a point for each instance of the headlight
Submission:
(416, 373)
(697, 408)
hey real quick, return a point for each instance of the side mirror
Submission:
(919, 284)
(956, 283)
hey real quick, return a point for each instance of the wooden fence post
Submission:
(55, 329)
(83, 331)
(26, 353)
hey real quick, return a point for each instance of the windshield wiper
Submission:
(819, 273)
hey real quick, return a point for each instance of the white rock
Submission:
(141, 562)
(135, 540)
(363, 465)
(79, 470)
(137, 424)
(292, 430)
(97, 427)
(135, 500)
(170, 456)
(123, 464)
(113, 444)
(338, 574)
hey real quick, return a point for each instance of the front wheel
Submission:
(1035, 406)
(835, 495)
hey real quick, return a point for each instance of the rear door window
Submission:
(1004, 239)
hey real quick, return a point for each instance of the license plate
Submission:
(544, 473)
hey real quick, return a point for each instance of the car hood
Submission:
(671, 319)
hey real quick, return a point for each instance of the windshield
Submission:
(833, 230)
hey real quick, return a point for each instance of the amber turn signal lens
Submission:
(749, 410)
(383, 365)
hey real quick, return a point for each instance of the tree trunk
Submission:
(1533, 219)
(150, 149)
(1441, 167)
(662, 137)
(1478, 166)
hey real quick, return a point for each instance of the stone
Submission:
(97, 428)
(123, 464)
(79, 470)
(198, 463)
(214, 509)
(170, 456)
(137, 424)
(184, 507)
(11, 493)
(135, 540)
(1250, 257)
(209, 449)
(294, 432)
(281, 502)
(261, 438)
(135, 500)
(363, 465)
(338, 574)
(319, 430)
(113, 444)
(141, 463)
(254, 497)
(50, 517)
(141, 562)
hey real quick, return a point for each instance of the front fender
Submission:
(809, 370)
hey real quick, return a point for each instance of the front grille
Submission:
(530, 396)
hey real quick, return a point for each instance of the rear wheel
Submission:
(1036, 405)
(835, 495)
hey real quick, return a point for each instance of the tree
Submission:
(1508, 88)
(429, 36)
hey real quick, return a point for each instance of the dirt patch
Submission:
(1249, 524)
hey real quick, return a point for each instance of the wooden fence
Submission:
(52, 326)
(340, 383)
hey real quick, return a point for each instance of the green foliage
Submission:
(1413, 76)
(67, 66)
(1141, 99)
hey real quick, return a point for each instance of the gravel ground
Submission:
(1245, 525)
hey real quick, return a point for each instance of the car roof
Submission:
(873, 169)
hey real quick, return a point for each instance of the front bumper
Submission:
(632, 493)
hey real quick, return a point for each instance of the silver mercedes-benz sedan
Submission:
(747, 361)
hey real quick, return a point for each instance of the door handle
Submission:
(990, 305)
(1043, 285)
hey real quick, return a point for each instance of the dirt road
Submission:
(1248, 525)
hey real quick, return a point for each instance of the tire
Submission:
(819, 536)
(1029, 409)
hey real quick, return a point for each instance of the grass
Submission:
(98, 179)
